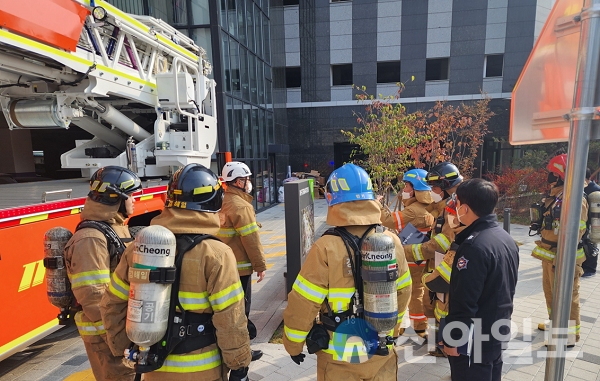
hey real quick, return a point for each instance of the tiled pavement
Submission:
(62, 355)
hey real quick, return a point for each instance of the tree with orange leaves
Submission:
(386, 138)
(451, 134)
(394, 141)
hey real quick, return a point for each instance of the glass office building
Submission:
(236, 36)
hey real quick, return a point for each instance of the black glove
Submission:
(298, 358)
(239, 374)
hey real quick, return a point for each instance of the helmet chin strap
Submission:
(122, 195)
(240, 188)
(123, 209)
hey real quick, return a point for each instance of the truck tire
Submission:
(133, 230)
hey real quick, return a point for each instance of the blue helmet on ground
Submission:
(417, 178)
(348, 183)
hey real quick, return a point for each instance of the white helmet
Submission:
(235, 169)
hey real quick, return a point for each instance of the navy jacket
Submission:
(591, 187)
(483, 281)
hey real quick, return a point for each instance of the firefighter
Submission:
(326, 284)
(416, 197)
(590, 247)
(209, 284)
(90, 259)
(443, 179)
(545, 249)
(438, 280)
(239, 230)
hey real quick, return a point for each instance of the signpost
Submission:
(299, 226)
(539, 119)
(543, 94)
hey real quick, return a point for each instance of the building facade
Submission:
(454, 50)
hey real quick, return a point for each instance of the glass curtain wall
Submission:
(244, 73)
(247, 83)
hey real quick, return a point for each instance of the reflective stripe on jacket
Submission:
(239, 230)
(439, 281)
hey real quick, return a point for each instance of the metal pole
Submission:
(568, 236)
(507, 220)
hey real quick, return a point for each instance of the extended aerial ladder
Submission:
(135, 83)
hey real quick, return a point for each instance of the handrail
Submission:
(67, 191)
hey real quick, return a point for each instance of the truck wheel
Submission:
(133, 230)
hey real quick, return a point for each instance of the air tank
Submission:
(148, 304)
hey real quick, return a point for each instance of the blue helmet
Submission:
(348, 183)
(417, 178)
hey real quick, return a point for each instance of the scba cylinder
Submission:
(379, 272)
(148, 305)
(58, 287)
(594, 201)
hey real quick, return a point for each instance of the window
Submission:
(200, 14)
(291, 2)
(388, 72)
(341, 75)
(292, 77)
(493, 65)
(201, 37)
(436, 69)
(339, 1)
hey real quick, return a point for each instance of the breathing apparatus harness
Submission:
(186, 331)
(318, 337)
(548, 218)
(115, 244)
(545, 217)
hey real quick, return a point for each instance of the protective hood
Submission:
(239, 192)
(554, 191)
(409, 201)
(364, 212)
(424, 197)
(437, 208)
(95, 211)
(183, 221)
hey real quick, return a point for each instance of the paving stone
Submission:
(515, 375)
(586, 364)
(529, 369)
(263, 369)
(581, 373)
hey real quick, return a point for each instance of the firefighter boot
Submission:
(422, 333)
(256, 354)
(437, 352)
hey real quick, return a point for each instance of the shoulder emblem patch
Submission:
(462, 263)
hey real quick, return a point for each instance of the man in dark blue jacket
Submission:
(482, 286)
(590, 248)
